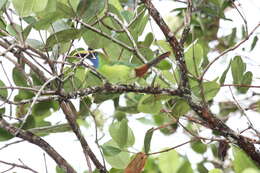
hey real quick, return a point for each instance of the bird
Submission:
(140, 71)
(90, 54)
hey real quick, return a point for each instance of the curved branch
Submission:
(32, 138)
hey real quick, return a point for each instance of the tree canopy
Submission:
(171, 85)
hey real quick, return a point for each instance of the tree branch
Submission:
(30, 137)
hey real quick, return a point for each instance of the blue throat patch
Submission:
(93, 57)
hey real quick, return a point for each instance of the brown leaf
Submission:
(137, 164)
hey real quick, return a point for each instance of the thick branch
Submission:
(67, 108)
(202, 111)
(30, 137)
(175, 45)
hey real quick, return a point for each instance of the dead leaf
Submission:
(137, 164)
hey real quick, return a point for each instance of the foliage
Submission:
(41, 38)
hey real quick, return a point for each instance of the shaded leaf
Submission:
(238, 68)
(4, 135)
(110, 150)
(3, 92)
(147, 140)
(224, 74)
(199, 147)
(63, 37)
(180, 108)
(246, 80)
(255, 40)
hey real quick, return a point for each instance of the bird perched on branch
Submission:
(140, 71)
(90, 54)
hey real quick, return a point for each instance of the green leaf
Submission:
(60, 170)
(224, 74)
(185, 167)
(169, 162)
(180, 108)
(26, 32)
(35, 43)
(3, 92)
(14, 30)
(120, 160)
(199, 147)
(2, 111)
(251, 170)
(241, 161)
(201, 168)
(119, 115)
(210, 90)
(238, 68)
(89, 8)
(44, 109)
(66, 9)
(2, 3)
(164, 65)
(121, 134)
(215, 171)
(95, 40)
(4, 135)
(193, 57)
(147, 140)
(148, 39)
(149, 104)
(26, 7)
(255, 40)
(110, 150)
(19, 78)
(137, 27)
(101, 97)
(63, 37)
(84, 106)
(46, 20)
(246, 80)
(92, 80)
(165, 45)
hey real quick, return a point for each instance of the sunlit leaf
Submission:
(26, 7)
(149, 104)
(120, 160)
(210, 90)
(121, 134)
(241, 160)
(193, 57)
(169, 162)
